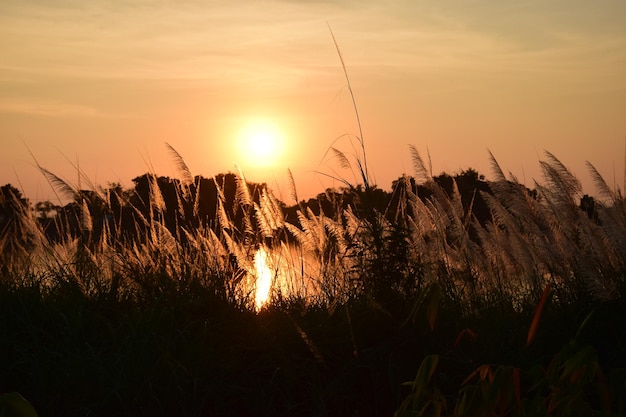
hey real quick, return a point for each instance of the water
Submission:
(287, 270)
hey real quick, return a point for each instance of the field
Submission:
(448, 295)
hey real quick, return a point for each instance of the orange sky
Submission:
(107, 83)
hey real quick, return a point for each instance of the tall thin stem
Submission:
(364, 170)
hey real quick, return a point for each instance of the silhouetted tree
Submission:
(45, 210)
(588, 205)
(178, 206)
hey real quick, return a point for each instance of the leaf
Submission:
(14, 405)
(424, 374)
(500, 392)
(482, 370)
(465, 332)
(583, 325)
(577, 364)
(535, 323)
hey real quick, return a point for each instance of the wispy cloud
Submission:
(51, 108)
(280, 45)
(193, 40)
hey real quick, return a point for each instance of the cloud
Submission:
(282, 44)
(42, 107)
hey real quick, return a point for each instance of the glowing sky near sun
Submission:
(105, 83)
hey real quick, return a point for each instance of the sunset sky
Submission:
(105, 84)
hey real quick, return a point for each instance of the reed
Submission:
(357, 276)
(363, 241)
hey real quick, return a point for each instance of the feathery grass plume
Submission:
(421, 173)
(531, 228)
(316, 240)
(222, 219)
(86, 223)
(293, 191)
(563, 186)
(560, 213)
(524, 219)
(499, 185)
(264, 221)
(425, 238)
(343, 160)
(183, 193)
(237, 250)
(295, 272)
(163, 240)
(156, 202)
(613, 221)
(495, 168)
(215, 246)
(599, 260)
(344, 163)
(269, 213)
(508, 246)
(337, 232)
(353, 223)
(612, 241)
(296, 232)
(515, 198)
(449, 244)
(183, 169)
(441, 222)
(58, 184)
(314, 228)
(20, 235)
(242, 197)
(196, 201)
(604, 190)
(244, 202)
(573, 239)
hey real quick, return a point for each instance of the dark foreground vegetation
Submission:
(448, 295)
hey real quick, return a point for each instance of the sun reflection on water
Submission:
(263, 278)
(285, 271)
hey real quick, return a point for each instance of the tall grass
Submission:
(359, 247)
(417, 264)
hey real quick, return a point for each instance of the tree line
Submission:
(125, 213)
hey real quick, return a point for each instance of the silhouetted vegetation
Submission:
(446, 295)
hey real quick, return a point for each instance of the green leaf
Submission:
(427, 368)
(14, 405)
(501, 390)
(585, 358)
(583, 325)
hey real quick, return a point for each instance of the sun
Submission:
(261, 143)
